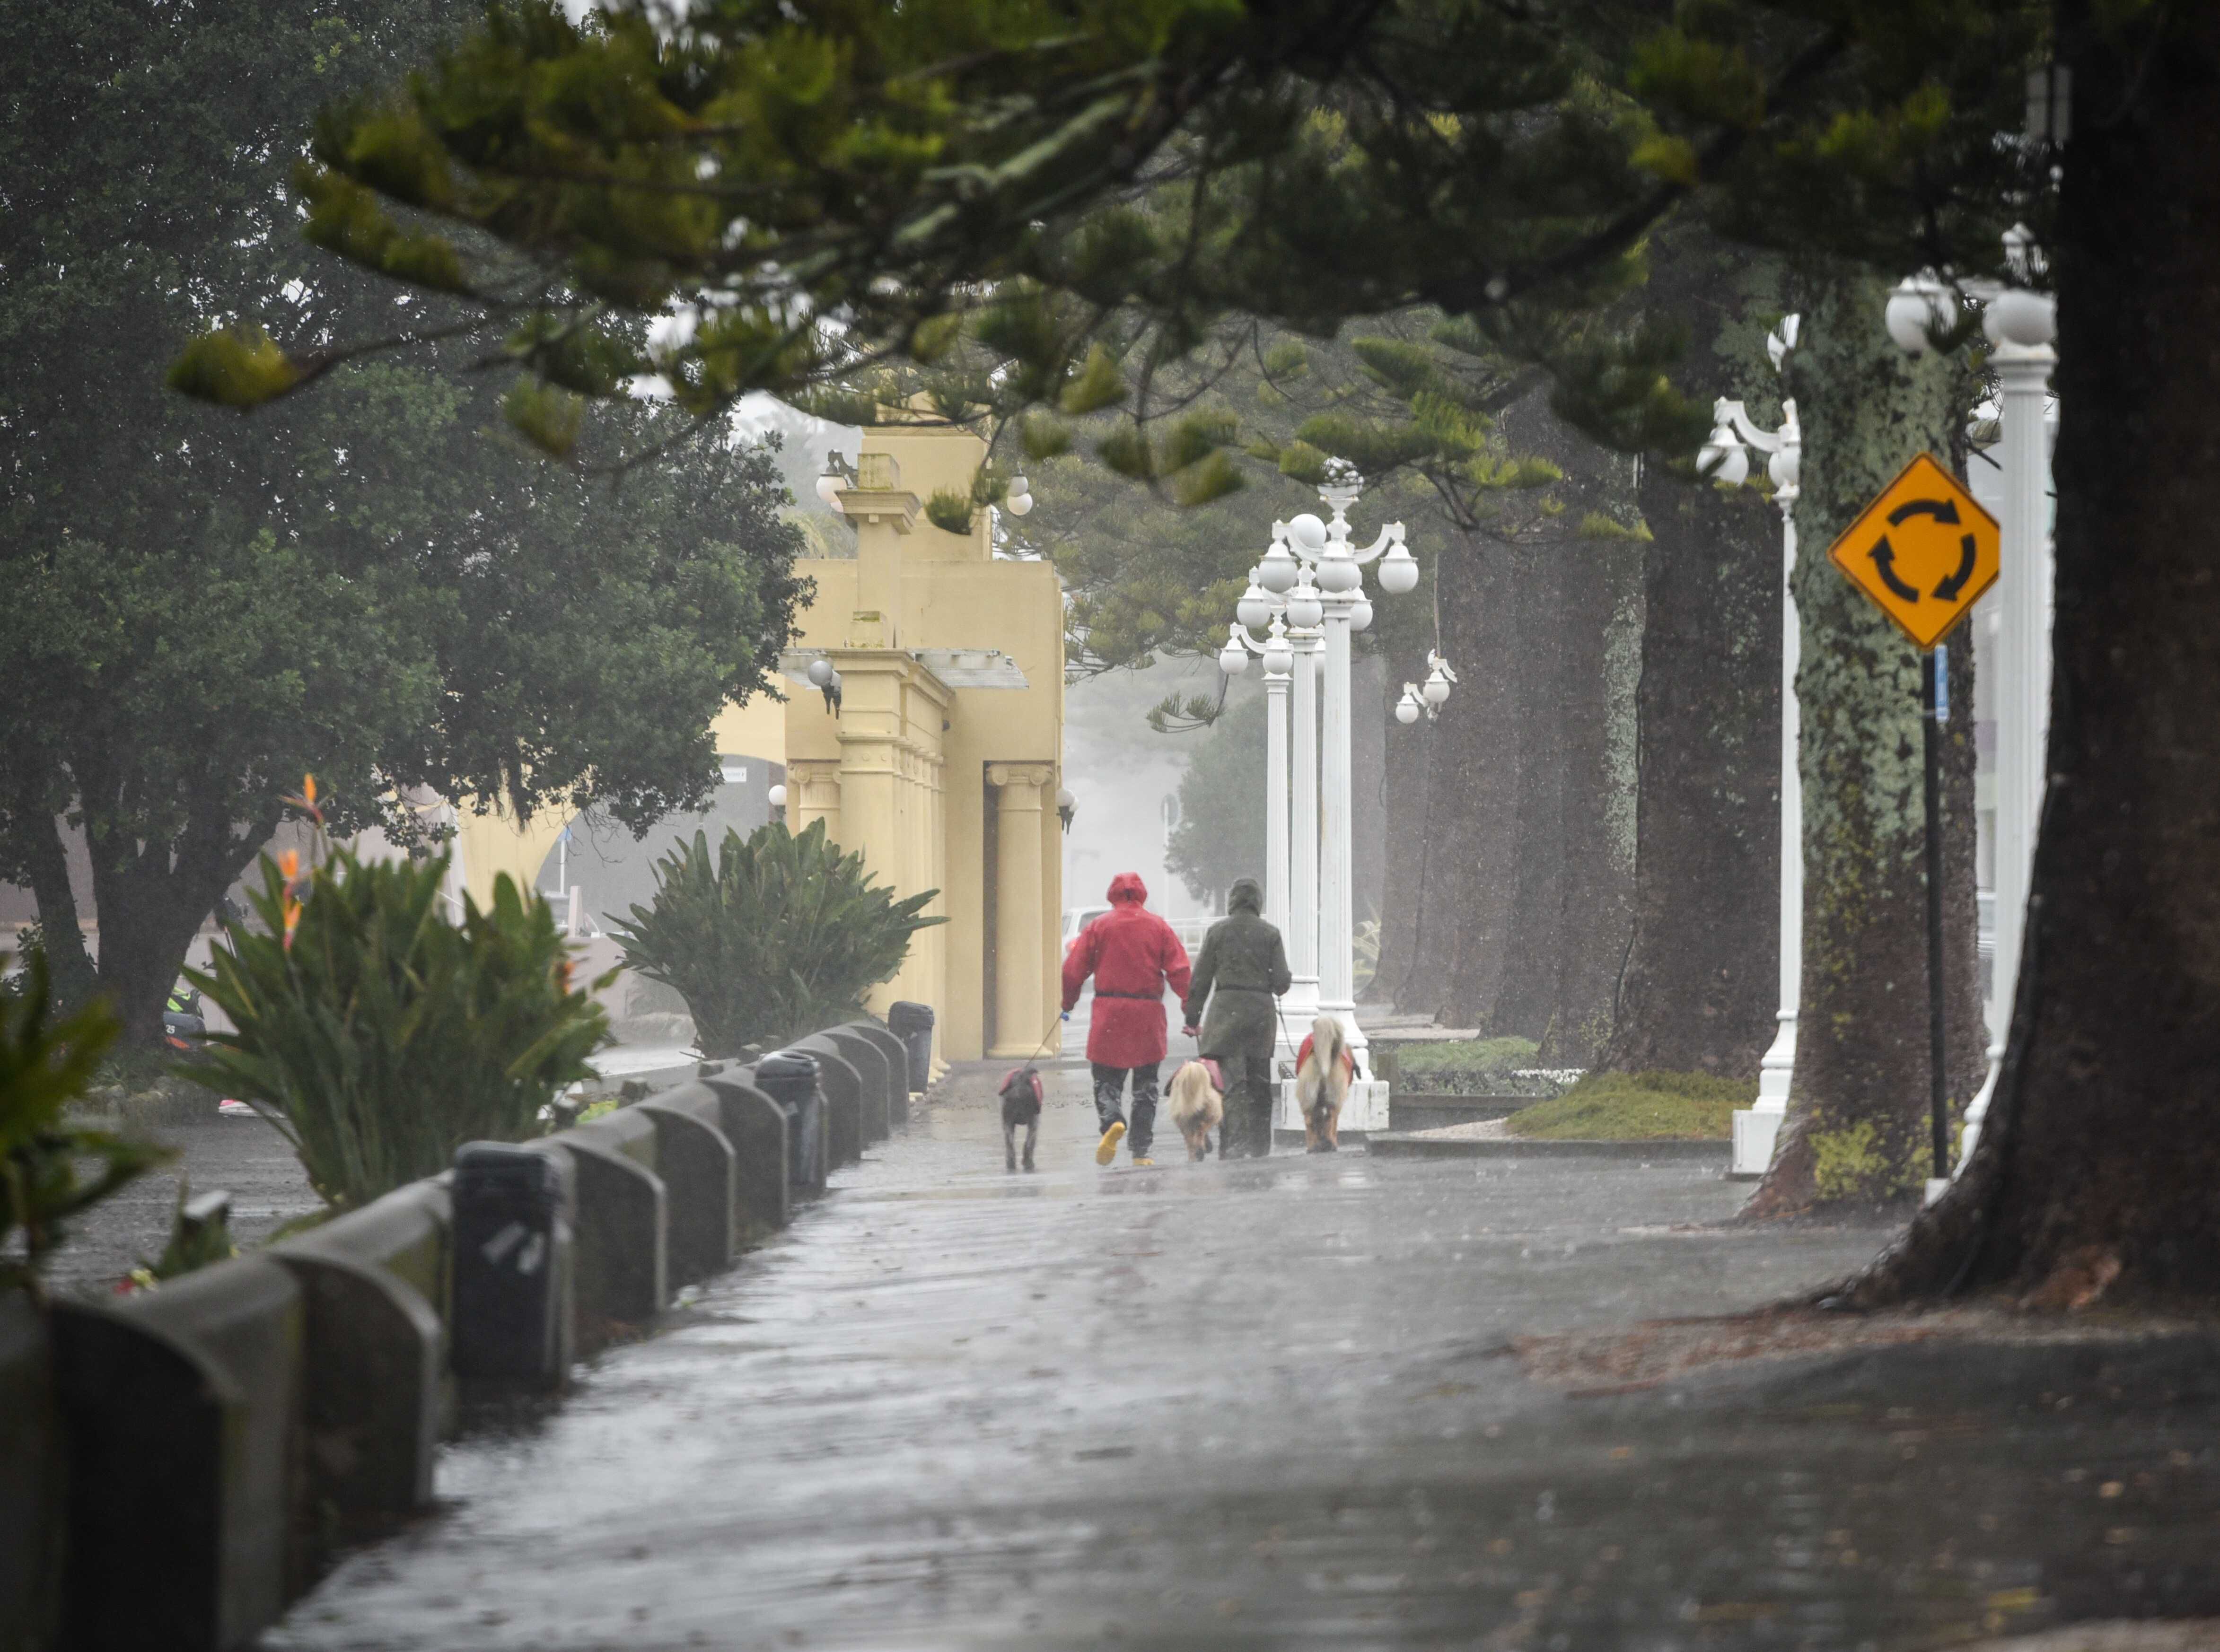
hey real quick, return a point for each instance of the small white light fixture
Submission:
(1919, 306)
(1304, 611)
(1338, 571)
(1279, 657)
(1406, 709)
(1437, 680)
(1399, 571)
(1309, 532)
(1066, 806)
(1255, 608)
(1359, 614)
(1786, 467)
(821, 672)
(1277, 571)
(1723, 459)
(778, 797)
(1019, 499)
(828, 488)
(1233, 658)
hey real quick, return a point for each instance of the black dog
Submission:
(1021, 1104)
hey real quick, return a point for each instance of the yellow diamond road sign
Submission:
(1924, 551)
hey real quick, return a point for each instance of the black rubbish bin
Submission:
(789, 1078)
(912, 1025)
(513, 1210)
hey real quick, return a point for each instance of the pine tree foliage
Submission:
(818, 188)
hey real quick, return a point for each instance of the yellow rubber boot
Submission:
(1107, 1149)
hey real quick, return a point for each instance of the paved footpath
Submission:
(1258, 1406)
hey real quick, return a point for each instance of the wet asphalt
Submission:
(1270, 1404)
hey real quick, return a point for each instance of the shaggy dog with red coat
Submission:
(1323, 1068)
(1133, 955)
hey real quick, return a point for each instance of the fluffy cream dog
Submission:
(1324, 1067)
(1197, 1104)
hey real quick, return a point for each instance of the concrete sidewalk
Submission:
(1271, 1405)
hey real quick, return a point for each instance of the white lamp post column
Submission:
(1336, 870)
(1757, 1127)
(1300, 1007)
(2020, 324)
(1279, 665)
(2022, 658)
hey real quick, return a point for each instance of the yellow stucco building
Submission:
(942, 762)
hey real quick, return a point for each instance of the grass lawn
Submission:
(1467, 1067)
(1638, 1108)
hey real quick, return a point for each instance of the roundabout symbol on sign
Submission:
(1924, 551)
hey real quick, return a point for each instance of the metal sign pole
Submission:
(1934, 711)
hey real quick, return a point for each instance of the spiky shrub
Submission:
(51, 1169)
(775, 935)
(378, 1035)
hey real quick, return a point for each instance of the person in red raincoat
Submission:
(1133, 955)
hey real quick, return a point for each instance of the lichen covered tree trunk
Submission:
(1857, 1129)
(1697, 992)
(1473, 769)
(1408, 854)
(2098, 1167)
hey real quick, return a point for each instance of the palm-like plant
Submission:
(45, 1062)
(775, 935)
(378, 1035)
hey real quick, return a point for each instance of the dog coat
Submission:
(1209, 1064)
(1348, 1060)
(1022, 1085)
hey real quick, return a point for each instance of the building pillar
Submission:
(813, 793)
(1022, 1017)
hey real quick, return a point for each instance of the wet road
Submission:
(1265, 1406)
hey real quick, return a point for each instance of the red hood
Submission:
(1127, 886)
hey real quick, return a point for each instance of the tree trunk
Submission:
(1472, 788)
(1857, 1127)
(46, 857)
(2098, 1163)
(1699, 988)
(1531, 962)
(152, 899)
(1406, 859)
(1571, 654)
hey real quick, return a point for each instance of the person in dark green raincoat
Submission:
(1241, 969)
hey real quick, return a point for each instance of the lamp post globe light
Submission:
(2020, 325)
(1725, 459)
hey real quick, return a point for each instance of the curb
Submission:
(1400, 1144)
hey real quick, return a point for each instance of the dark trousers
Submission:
(1251, 1091)
(1109, 1095)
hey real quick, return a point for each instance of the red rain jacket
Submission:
(1133, 954)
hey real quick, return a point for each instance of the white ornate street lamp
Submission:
(2020, 326)
(1339, 571)
(1726, 457)
(1310, 587)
